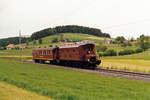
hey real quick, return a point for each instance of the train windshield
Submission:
(88, 47)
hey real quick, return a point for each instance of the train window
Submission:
(90, 49)
(73, 50)
(49, 52)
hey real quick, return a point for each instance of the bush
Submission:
(2, 48)
(110, 52)
(55, 40)
(100, 54)
(139, 50)
(101, 48)
(126, 52)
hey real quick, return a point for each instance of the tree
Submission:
(40, 41)
(62, 38)
(120, 39)
(55, 40)
(34, 42)
(27, 43)
(144, 42)
(132, 39)
(68, 29)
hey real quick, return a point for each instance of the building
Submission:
(10, 46)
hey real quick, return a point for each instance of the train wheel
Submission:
(36, 60)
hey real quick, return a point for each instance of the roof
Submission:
(76, 44)
(10, 46)
(50, 48)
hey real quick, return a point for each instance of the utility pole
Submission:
(20, 48)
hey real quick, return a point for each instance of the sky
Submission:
(128, 18)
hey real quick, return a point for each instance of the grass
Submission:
(10, 92)
(135, 62)
(72, 36)
(65, 84)
(15, 54)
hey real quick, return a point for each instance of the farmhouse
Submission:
(10, 46)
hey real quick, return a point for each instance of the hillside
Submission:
(71, 36)
(68, 29)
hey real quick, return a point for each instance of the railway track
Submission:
(108, 72)
(127, 74)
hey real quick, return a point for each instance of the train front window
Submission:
(90, 49)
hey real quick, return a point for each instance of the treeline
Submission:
(12, 40)
(68, 29)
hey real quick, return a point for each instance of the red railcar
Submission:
(77, 55)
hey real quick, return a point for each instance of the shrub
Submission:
(101, 48)
(126, 52)
(110, 52)
(139, 50)
(2, 48)
(55, 40)
(100, 54)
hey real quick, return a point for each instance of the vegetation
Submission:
(40, 41)
(120, 39)
(109, 52)
(12, 40)
(10, 92)
(65, 84)
(68, 29)
(101, 48)
(144, 42)
(126, 52)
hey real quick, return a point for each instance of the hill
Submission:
(68, 29)
(46, 41)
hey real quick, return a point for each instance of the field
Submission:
(65, 84)
(135, 62)
(10, 92)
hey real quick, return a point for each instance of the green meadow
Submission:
(65, 84)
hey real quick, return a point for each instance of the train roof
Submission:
(77, 44)
(74, 45)
(49, 48)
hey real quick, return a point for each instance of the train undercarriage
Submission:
(70, 63)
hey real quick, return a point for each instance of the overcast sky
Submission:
(118, 17)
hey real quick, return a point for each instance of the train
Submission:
(81, 54)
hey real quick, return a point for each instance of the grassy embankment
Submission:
(10, 92)
(65, 84)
